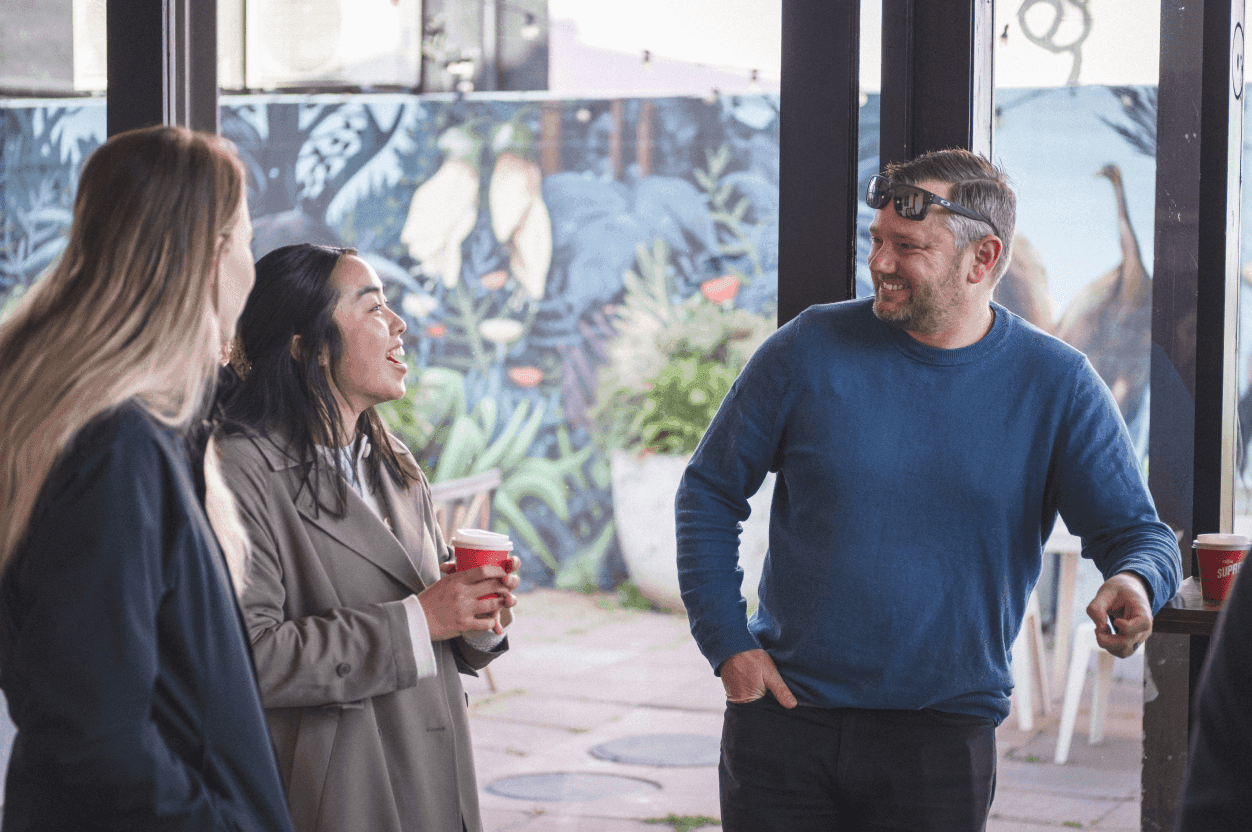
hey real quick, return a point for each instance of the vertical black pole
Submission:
(1194, 309)
(1217, 278)
(936, 77)
(162, 64)
(201, 66)
(136, 66)
(817, 177)
(895, 117)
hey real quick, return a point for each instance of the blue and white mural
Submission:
(582, 279)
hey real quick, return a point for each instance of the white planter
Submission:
(643, 508)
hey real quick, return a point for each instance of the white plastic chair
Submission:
(466, 501)
(1084, 645)
(1027, 672)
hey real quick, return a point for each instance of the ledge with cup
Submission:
(1187, 613)
(1194, 609)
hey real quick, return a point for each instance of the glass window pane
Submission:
(504, 226)
(1075, 128)
(561, 256)
(1243, 371)
(868, 155)
(661, 47)
(1045, 43)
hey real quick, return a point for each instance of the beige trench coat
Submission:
(363, 745)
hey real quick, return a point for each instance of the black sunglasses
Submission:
(912, 202)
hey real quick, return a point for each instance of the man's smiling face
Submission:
(919, 275)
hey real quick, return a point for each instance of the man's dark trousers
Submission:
(854, 769)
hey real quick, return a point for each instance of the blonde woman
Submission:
(122, 653)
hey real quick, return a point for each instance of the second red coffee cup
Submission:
(1220, 557)
(479, 547)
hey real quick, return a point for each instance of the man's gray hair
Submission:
(978, 185)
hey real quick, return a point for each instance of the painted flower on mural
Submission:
(526, 376)
(492, 281)
(720, 289)
(519, 216)
(445, 207)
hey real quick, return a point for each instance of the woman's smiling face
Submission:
(370, 370)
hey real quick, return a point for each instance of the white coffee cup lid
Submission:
(482, 539)
(1222, 541)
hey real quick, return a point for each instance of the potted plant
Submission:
(670, 365)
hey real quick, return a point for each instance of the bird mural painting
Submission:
(519, 216)
(1023, 288)
(1109, 319)
(445, 207)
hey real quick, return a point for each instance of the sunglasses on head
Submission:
(912, 202)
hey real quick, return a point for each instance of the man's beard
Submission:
(932, 307)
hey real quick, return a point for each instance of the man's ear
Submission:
(987, 253)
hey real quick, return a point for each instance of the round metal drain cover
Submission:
(662, 750)
(570, 787)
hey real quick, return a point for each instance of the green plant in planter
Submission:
(683, 400)
(673, 360)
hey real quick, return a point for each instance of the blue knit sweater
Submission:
(915, 489)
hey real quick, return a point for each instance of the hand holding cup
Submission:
(456, 603)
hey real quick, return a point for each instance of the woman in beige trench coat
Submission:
(359, 626)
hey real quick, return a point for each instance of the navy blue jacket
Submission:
(122, 652)
(1216, 793)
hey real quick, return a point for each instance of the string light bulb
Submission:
(461, 68)
(530, 29)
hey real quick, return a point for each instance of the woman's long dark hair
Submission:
(285, 392)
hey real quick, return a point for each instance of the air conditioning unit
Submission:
(90, 45)
(332, 42)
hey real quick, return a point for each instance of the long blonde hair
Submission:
(126, 314)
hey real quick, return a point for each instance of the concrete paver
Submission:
(581, 671)
(1123, 818)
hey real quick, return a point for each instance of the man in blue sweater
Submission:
(924, 443)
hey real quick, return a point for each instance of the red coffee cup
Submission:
(1220, 557)
(479, 547)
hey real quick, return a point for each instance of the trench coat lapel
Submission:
(358, 530)
(410, 525)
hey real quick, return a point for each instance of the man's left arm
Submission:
(1105, 500)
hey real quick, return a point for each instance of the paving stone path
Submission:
(598, 714)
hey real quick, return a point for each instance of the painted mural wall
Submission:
(582, 280)
(577, 277)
